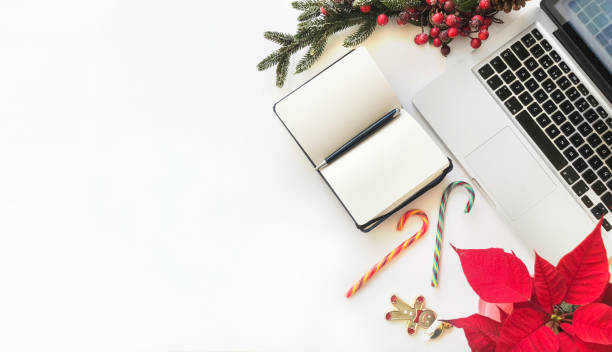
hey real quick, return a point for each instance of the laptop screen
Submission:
(592, 22)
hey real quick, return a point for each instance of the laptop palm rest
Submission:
(506, 169)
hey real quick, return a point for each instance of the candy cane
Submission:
(396, 251)
(440, 229)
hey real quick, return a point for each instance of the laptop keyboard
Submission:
(558, 112)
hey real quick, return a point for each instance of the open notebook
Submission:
(385, 171)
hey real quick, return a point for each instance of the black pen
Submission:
(358, 138)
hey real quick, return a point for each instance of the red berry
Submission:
(432, 2)
(487, 21)
(478, 18)
(421, 38)
(437, 42)
(444, 36)
(449, 6)
(484, 4)
(465, 31)
(437, 18)
(400, 22)
(366, 8)
(382, 19)
(484, 26)
(483, 34)
(412, 11)
(445, 50)
(453, 32)
(323, 11)
(475, 43)
(434, 31)
(451, 20)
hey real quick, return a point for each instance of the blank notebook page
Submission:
(385, 169)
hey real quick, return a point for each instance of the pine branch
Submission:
(279, 38)
(309, 13)
(306, 4)
(361, 34)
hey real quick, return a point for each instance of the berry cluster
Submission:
(444, 20)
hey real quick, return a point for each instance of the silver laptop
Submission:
(528, 116)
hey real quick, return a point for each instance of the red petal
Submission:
(524, 330)
(585, 269)
(480, 331)
(496, 276)
(566, 343)
(550, 286)
(593, 323)
(592, 347)
(502, 315)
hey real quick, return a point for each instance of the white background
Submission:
(151, 201)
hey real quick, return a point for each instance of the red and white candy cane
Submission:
(396, 251)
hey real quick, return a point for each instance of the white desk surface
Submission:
(151, 201)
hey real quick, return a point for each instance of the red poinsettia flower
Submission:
(562, 308)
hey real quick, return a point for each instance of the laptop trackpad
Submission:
(510, 173)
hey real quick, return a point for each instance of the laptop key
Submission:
(503, 93)
(604, 174)
(572, 94)
(566, 107)
(531, 64)
(591, 99)
(599, 187)
(587, 201)
(486, 71)
(540, 75)
(528, 40)
(554, 72)
(580, 188)
(576, 140)
(557, 96)
(523, 74)
(564, 67)
(525, 98)
(603, 151)
(609, 122)
(561, 143)
(546, 45)
(534, 109)
(590, 115)
(594, 140)
(543, 120)
(549, 106)
(545, 61)
(580, 165)
(600, 126)
(570, 175)
(536, 51)
(581, 104)
(585, 129)
(570, 153)
(494, 82)
(567, 129)
(548, 85)
(531, 85)
(552, 131)
(558, 117)
(589, 176)
(606, 225)
(555, 56)
(573, 78)
(508, 76)
(510, 59)
(599, 210)
(602, 112)
(517, 87)
(519, 50)
(564, 83)
(595, 162)
(540, 95)
(583, 89)
(608, 138)
(575, 118)
(541, 140)
(513, 105)
(585, 151)
(536, 33)
(498, 64)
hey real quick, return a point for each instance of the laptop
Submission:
(529, 118)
